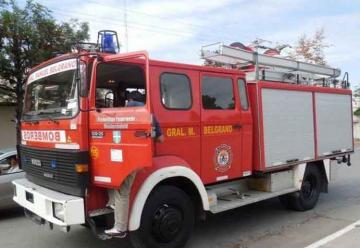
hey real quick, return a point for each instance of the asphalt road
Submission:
(266, 224)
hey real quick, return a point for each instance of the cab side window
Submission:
(175, 91)
(116, 81)
(243, 94)
(217, 93)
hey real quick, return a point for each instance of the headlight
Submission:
(58, 211)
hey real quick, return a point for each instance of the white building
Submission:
(356, 126)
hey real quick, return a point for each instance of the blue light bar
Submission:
(108, 41)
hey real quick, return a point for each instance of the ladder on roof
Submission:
(227, 55)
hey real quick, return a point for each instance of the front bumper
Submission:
(39, 200)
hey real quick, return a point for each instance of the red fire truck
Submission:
(256, 127)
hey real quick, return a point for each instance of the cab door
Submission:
(221, 129)
(120, 137)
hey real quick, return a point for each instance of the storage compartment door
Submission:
(288, 127)
(334, 123)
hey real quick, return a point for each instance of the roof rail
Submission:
(228, 55)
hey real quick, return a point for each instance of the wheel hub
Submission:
(167, 223)
(308, 188)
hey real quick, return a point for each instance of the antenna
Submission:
(126, 26)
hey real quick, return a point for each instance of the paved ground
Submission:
(350, 239)
(265, 224)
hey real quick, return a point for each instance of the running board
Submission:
(98, 231)
(101, 211)
(235, 200)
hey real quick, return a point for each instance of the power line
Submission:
(132, 24)
(157, 17)
(152, 28)
(149, 27)
(202, 39)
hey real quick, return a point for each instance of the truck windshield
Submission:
(52, 97)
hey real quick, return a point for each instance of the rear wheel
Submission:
(167, 219)
(307, 197)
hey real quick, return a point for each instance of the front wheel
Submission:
(307, 197)
(167, 219)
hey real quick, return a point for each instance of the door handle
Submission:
(142, 134)
(237, 126)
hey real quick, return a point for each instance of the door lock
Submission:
(142, 134)
(237, 126)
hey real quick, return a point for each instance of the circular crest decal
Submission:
(222, 158)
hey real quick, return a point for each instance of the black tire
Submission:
(307, 197)
(167, 220)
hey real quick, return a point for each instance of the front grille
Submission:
(55, 168)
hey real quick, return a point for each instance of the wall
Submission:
(356, 125)
(7, 127)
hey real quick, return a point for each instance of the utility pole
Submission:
(126, 27)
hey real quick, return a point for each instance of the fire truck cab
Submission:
(231, 138)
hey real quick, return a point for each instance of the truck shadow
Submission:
(83, 237)
(9, 213)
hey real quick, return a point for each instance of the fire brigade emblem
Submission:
(223, 158)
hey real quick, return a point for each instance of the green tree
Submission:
(29, 36)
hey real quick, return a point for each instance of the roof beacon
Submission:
(108, 41)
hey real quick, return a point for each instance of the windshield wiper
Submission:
(29, 120)
(43, 113)
(53, 120)
(49, 117)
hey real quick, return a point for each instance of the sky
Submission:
(175, 30)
